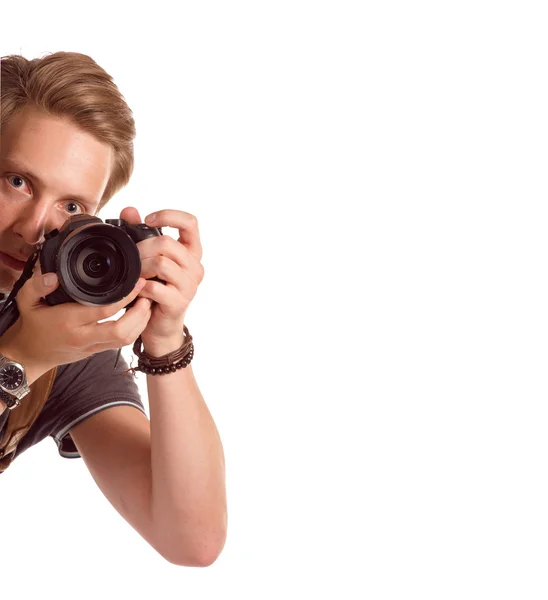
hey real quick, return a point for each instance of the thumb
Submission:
(49, 282)
(43, 284)
(35, 288)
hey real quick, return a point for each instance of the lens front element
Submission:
(98, 264)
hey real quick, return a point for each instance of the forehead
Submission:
(61, 155)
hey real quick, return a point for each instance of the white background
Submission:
(370, 183)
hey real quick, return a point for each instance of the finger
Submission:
(166, 270)
(131, 215)
(186, 223)
(86, 315)
(36, 287)
(166, 246)
(168, 298)
(125, 330)
(44, 285)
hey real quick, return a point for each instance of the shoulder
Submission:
(96, 375)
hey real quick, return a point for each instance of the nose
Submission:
(33, 222)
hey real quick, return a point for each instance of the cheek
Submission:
(7, 207)
(8, 196)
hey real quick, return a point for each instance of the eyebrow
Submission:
(23, 170)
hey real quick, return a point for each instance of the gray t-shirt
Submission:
(80, 390)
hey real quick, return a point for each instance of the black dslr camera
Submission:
(97, 263)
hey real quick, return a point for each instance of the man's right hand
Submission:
(47, 336)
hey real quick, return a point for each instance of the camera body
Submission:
(96, 262)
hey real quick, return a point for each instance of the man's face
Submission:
(49, 170)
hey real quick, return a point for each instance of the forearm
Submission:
(188, 470)
(33, 370)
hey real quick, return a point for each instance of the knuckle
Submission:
(165, 241)
(126, 333)
(73, 339)
(118, 331)
(161, 261)
(104, 312)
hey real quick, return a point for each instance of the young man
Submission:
(66, 149)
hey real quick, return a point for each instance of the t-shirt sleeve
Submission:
(80, 390)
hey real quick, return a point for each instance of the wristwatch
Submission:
(13, 382)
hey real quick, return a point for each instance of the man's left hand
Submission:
(178, 264)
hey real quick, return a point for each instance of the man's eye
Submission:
(15, 178)
(16, 181)
(74, 204)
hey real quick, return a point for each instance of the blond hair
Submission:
(72, 85)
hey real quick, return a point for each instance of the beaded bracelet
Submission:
(168, 363)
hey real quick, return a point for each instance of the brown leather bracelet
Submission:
(168, 363)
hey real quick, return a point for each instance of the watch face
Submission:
(11, 377)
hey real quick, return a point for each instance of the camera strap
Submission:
(8, 308)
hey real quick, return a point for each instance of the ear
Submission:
(131, 215)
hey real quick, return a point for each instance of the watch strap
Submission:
(10, 401)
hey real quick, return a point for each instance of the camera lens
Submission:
(98, 264)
